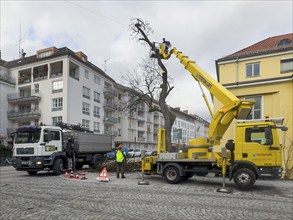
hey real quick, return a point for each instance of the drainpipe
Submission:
(237, 71)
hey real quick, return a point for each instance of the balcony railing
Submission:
(113, 133)
(17, 97)
(110, 120)
(24, 114)
(110, 106)
(110, 92)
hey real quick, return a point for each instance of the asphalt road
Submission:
(46, 196)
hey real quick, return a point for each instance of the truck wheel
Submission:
(97, 161)
(32, 172)
(58, 166)
(172, 175)
(244, 178)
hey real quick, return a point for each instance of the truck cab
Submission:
(257, 146)
(36, 147)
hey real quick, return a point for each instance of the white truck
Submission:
(58, 148)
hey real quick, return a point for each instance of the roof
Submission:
(59, 52)
(3, 63)
(270, 45)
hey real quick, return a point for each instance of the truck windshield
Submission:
(24, 137)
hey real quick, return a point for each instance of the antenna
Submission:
(105, 64)
(20, 40)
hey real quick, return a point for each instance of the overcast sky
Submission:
(203, 30)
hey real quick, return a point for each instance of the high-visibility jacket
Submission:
(120, 156)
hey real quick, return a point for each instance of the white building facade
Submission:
(59, 85)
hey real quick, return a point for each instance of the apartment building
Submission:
(263, 72)
(138, 128)
(58, 84)
(7, 86)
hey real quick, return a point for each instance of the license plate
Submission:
(24, 163)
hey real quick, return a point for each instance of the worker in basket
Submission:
(120, 157)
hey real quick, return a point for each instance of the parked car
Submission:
(151, 153)
(137, 152)
(130, 153)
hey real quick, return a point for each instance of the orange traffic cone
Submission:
(76, 176)
(83, 175)
(66, 175)
(104, 176)
(71, 174)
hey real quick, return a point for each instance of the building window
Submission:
(56, 120)
(57, 104)
(252, 69)
(56, 69)
(97, 97)
(45, 54)
(86, 108)
(36, 88)
(57, 86)
(96, 111)
(286, 65)
(86, 92)
(40, 72)
(97, 80)
(85, 123)
(86, 74)
(256, 108)
(284, 42)
(97, 127)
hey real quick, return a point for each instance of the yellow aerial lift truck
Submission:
(254, 153)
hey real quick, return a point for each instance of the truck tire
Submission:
(244, 178)
(32, 173)
(58, 166)
(97, 161)
(172, 175)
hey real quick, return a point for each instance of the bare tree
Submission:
(152, 83)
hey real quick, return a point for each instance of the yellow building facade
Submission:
(263, 72)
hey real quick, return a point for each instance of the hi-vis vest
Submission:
(119, 156)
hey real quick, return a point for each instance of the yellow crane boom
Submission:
(232, 107)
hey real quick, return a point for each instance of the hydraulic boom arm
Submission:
(232, 106)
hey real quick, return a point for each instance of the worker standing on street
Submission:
(120, 158)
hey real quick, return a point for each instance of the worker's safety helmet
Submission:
(120, 147)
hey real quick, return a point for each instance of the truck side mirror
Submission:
(284, 128)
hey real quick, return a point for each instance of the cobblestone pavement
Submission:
(46, 196)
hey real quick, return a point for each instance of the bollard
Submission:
(143, 182)
(224, 169)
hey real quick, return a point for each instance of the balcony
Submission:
(32, 114)
(110, 106)
(109, 132)
(109, 92)
(110, 120)
(7, 79)
(19, 98)
(141, 139)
